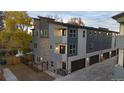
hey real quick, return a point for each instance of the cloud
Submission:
(91, 18)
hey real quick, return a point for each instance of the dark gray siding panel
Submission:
(97, 41)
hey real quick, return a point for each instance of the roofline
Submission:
(118, 15)
(85, 27)
(50, 20)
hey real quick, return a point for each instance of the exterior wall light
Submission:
(41, 58)
(101, 55)
(87, 59)
(57, 48)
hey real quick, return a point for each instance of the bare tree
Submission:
(56, 17)
(76, 21)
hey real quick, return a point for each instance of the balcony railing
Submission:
(61, 57)
(61, 39)
(120, 41)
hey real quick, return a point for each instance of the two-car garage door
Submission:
(77, 64)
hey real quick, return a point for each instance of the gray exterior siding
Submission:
(98, 40)
(41, 26)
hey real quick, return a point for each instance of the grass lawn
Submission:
(24, 73)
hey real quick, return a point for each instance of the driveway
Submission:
(98, 72)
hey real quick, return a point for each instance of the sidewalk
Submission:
(118, 73)
(8, 75)
(56, 76)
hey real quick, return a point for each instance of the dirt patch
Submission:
(24, 73)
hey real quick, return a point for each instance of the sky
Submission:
(90, 18)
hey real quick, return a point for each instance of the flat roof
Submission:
(51, 20)
(118, 15)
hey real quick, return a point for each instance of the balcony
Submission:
(61, 39)
(61, 57)
(120, 42)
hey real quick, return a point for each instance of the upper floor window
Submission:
(83, 33)
(32, 33)
(41, 32)
(72, 33)
(72, 49)
(62, 49)
(36, 33)
(90, 33)
(63, 32)
(44, 33)
(35, 45)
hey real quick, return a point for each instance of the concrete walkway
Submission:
(98, 72)
(56, 76)
(8, 75)
(118, 73)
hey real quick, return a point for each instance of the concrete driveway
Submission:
(98, 72)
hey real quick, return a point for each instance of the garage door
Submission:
(113, 53)
(77, 64)
(106, 55)
(94, 59)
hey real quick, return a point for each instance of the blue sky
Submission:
(90, 18)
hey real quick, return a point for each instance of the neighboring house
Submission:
(120, 39)
(65, 48)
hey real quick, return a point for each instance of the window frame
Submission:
(72, 33)
(62, 51)
(72, 49)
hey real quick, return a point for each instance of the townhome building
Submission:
(64, 48)
(120, 39)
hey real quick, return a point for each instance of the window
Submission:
(38, 59)
(44, 33)
(72, 49)
(63, 32)
(83, 33)
(33, 58)
(90, 33)
(62, 49)
(41, 32)
(50, 46)
(33, 33)
(52, 63)
(35, 45)
(72, 33)
(63, 65)
(95, 32)
(36, 33)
